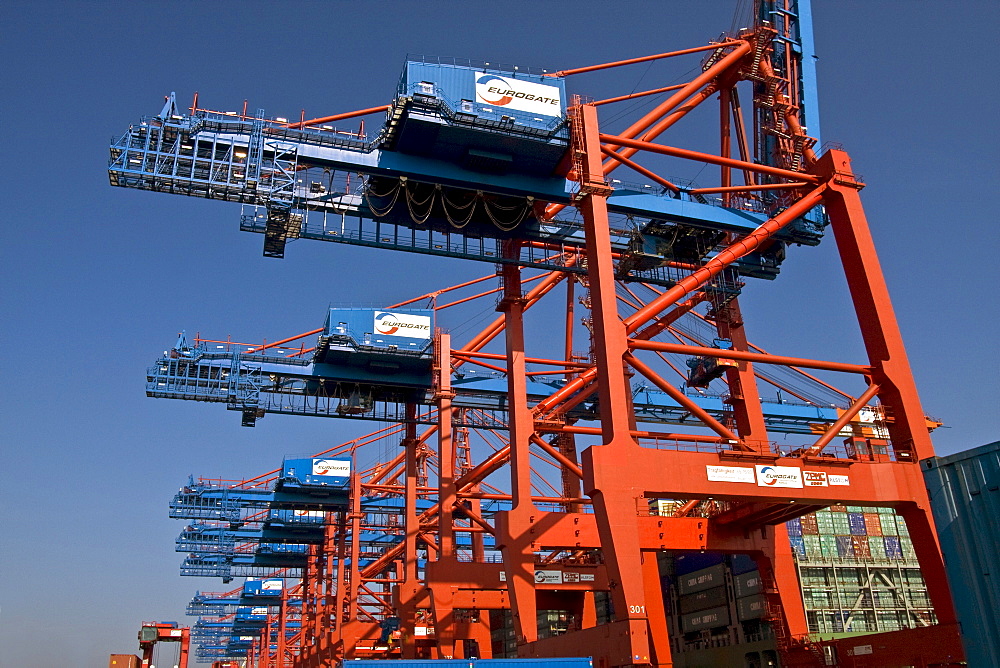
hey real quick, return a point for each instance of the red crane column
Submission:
(513, 534)
(775, 563)
(906, 423)
(408, 588)
(641, 624)
(442, 594)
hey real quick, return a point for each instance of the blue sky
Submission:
(98, 280)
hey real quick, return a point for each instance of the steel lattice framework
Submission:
(642, 263)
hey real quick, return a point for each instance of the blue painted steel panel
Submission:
(965, 498)
(410, 663)
(271, 587)
(380, 329)
(251, 614)
(457, 84)
(305, 472)
(810, 89)
(565, 662)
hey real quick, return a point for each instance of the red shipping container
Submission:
(810, 527)
(862, 549)
(123, 661)
(839, 508)
(873, 525)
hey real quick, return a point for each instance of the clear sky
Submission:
(97, 281)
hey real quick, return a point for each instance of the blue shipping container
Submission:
(965, 498)
(857, 523)
(690, 562)
(794, 527)
(742, 563)
(798, 545)
(892, 547)
(845, 546)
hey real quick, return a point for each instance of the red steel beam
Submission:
(633, 96)
(438, 293)
(752, 188)
(706, 157)
(494, 328)
(336, 117)
(843, 420)
(643, 59)
(569, 465)
(757, 358)
(528, 360)
(727, 256)
(684, 401)
(662, 126)
(655, 435)
(283, 341)
(639, 168)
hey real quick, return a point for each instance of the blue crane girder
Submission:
(259, 384)
(304, 183)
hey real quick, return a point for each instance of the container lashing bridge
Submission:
(478, 163)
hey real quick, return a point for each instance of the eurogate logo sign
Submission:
(403, 324)
(335, 468)
(779, 476)
(511, 93)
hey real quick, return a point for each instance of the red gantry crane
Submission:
(152, 634)
(473, 162)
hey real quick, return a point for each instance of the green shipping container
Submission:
(877, 546)
(828, 546)
(702, 600)
(747, 584)
(706, 578)
(907, 546)
(751, 607)
(705, 619)
(813, 549)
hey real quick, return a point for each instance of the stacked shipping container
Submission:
(858, 571)
(851, 532)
